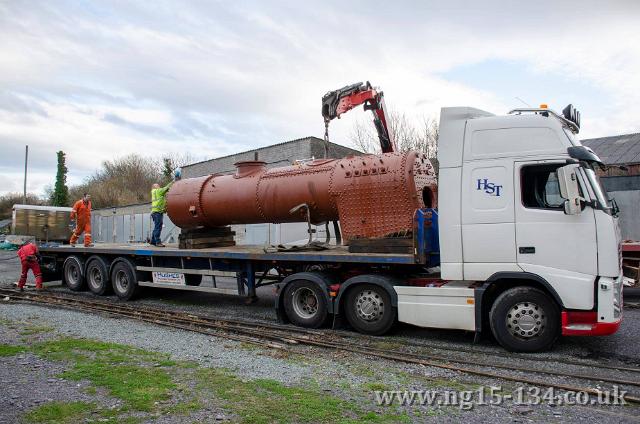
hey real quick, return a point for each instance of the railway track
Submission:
(277, 336)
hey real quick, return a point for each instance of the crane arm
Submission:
(337, 102)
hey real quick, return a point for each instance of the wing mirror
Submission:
(569, 189)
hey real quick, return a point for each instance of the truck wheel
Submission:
(368, 309)
(97, 273)
(124, 280)
(72, 273)
(193, 279)
(305, 304)
(525, 319)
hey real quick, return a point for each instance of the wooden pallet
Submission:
(382, 245)
(202, 238)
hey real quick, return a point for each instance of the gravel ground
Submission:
(342, 375)
(27, 381)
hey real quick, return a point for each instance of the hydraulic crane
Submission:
(337, 102)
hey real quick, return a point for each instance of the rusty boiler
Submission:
(372, 196)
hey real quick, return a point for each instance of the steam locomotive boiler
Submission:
(372, 196)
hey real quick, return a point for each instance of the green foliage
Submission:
(30, 330)
(60, 412)
(138, 386)
(60, 194)
(10, 350)
(268, 401)
(167, 169)
(127, 373)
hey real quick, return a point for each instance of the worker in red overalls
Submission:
(81, 212)
(29, 259)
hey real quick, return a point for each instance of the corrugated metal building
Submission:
(622, 184)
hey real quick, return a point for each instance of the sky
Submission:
(100, 80)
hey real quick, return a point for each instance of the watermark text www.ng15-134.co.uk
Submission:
(494, 395)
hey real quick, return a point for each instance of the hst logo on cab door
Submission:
(492, 189)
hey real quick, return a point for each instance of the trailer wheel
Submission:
(72, 271)
(305, 304)
(368, 309)
(124, 280)
(525, 319)
(192, 279)
(97, 273)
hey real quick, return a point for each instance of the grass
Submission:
(132, 375)
(150, 384)
(60, 412)
(10, 350)
(184, 408)
(138, 386)
(35, 329)
(144, 380)
(374, 386)
(268, 401)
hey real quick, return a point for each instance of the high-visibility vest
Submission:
(158, 200)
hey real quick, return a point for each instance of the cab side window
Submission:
(540, 187)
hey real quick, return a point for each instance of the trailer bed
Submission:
(242, 252)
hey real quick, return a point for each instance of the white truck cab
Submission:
(526, 225)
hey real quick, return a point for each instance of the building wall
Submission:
(129, 224)
(281, 154)
(626, 191)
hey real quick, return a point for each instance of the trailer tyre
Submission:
(72, 271)
(305, 304)
(98, 276)
(124, 280)
(368, 309)
(525, 319)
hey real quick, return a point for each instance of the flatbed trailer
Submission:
(251, 263)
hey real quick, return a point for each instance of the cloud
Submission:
(99, 80)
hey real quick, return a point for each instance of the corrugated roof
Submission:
(258, 149)
(617, 149)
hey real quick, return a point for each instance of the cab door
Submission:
(560, 248)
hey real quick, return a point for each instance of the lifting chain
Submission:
(326, 138)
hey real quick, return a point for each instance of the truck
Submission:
(522, 243)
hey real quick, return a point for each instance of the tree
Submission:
(122, 181)
(60, 195)
(8, 200)
(172, 161)
(408, 135)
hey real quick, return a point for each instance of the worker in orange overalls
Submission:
(28, 254)
(81, 212)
